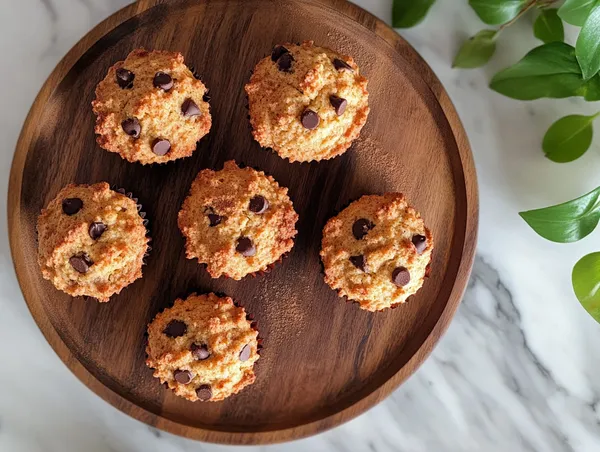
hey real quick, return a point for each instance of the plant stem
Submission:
(526, 8)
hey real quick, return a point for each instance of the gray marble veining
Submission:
(517, 369)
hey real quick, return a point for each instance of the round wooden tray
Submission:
(325, 360)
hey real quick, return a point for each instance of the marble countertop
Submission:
(518, 367)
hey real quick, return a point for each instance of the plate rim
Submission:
(27, 138)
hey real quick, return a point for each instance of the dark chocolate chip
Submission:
(81, 262)
(214, 219)
(341, 65)
(400, 276)
(200, 352)
(175, 328)
(245, 247)
(160, 146)
(277, 52)
(132, 127)
(310, 119)
(71, 206)
(258, 204)
(284, 62)
(206, 97)
(359, 262)
(420, 243)
(195, 74)
(361, 227)
(339, 104)
(125, 78)
(245, 353)
(163, 81)
(97, 229)
(189, 108)
(204, 392)
(182, 376)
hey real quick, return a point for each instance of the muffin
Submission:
(377, 251)
(150, 108)
(307, 102)
(237, 221)
(204, 348)
(91, 241)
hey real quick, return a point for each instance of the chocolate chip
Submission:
(71, 206)
(245, 247)
(200, 352)
(163, 81)
(420, 242)
(359, 262)
(277, 52)
(310, 119)
(97, 229)
(338, 104)
(81, 262)
(161, 146)
(258, 204)
(132, 127)
(341, 65)
(245, 353)
(361, 227)
(206, 97)
(284, 62)
(189, 108)
(175, 328)
(204, 392)
(182, 376)
(125, 78)
(400, 276)
(214, 219)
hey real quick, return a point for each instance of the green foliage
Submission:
(568, 138)
(575, 12)
(587, 48)
(408, 13)
(477, 50)
(567, 222)
(586, 283)
(548, 27)
(550, 70)
(553, 70)
(496, 12)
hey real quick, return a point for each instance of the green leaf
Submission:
(477, 50)
(587, 48)
(408, 13)
(496, 12)
(586, 283)
(568, 138)
(548, 27)
(550, 70)
(567, 222)
(575, 12)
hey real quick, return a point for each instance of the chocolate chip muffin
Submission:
(204, 348)
(237, 221)
(377, 251)
(150, 108)
(91, 241)
(307, 102)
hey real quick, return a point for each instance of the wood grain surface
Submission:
(325, 361)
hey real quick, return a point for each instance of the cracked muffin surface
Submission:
(204, 347)
(377, 251)
(307, 102)
(237, 221)
(150, 108)
(91, 241)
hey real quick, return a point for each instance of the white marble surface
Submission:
(518, 368)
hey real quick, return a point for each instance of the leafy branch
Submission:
(556, 70)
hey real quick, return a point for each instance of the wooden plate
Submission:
(325, 361)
